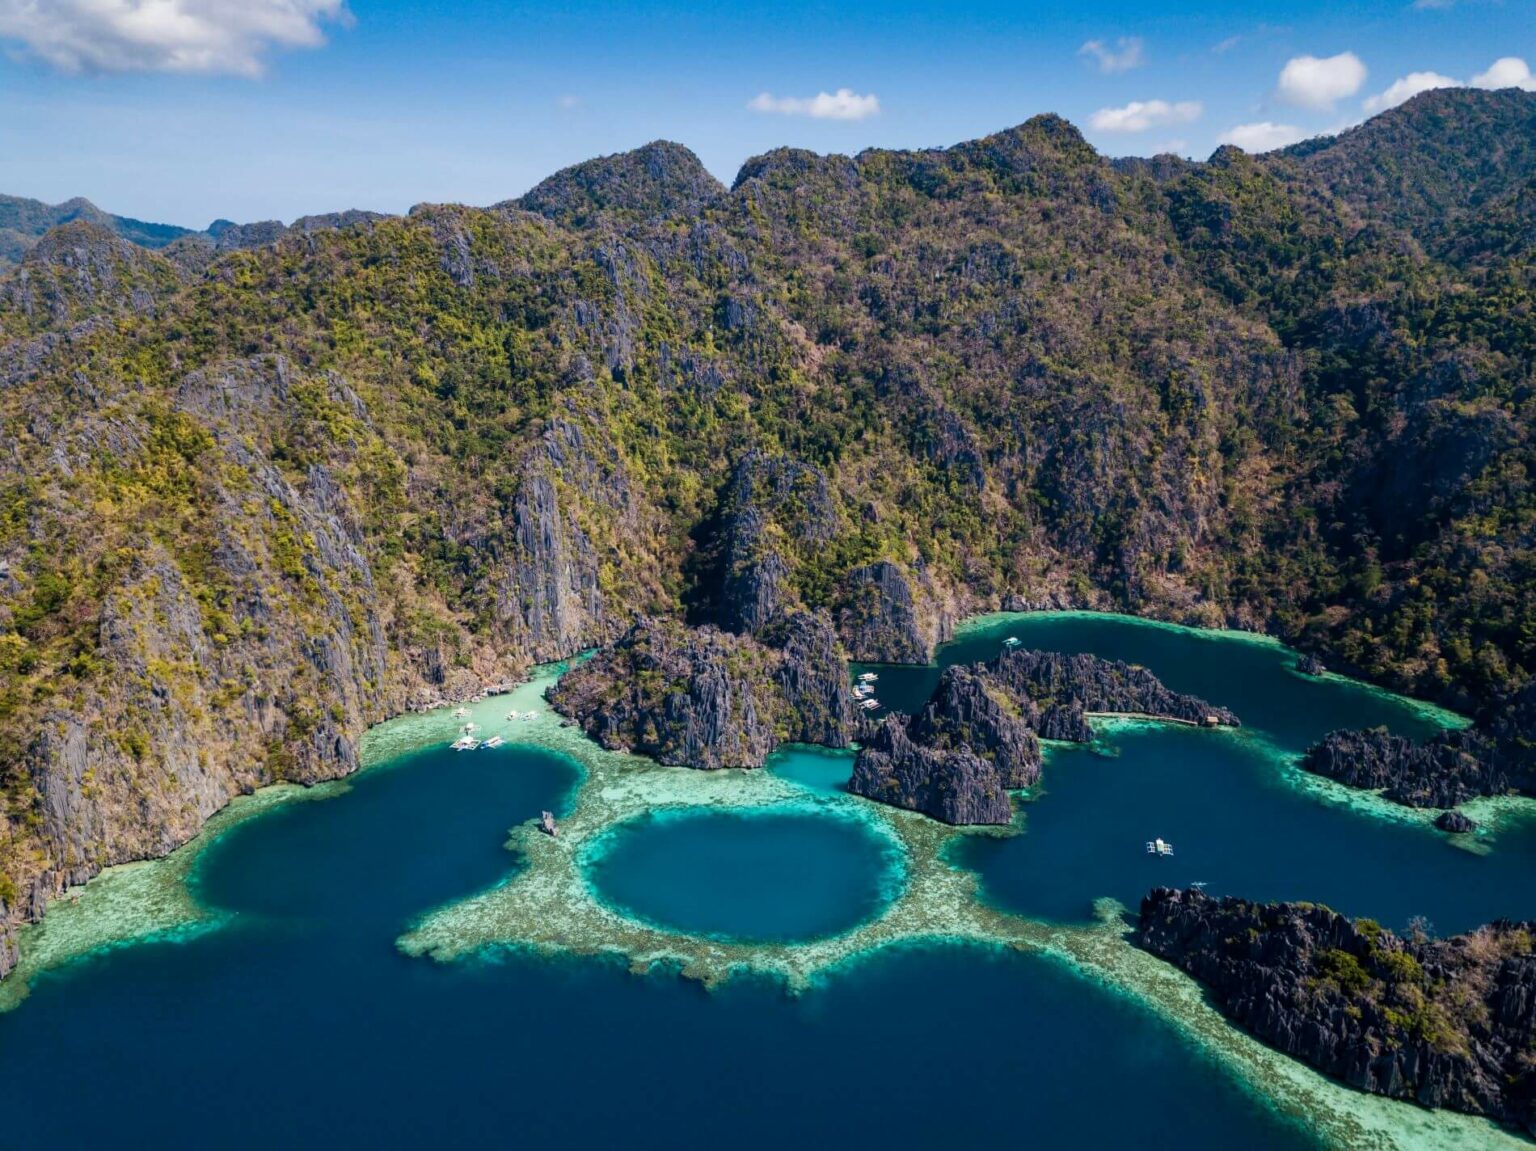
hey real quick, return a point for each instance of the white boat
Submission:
(868, 677)
(494, 741)
(1159, 847)
(1012, 641)
(530, 715)
(461, 713)
(465, 743)
(869, 704)
(861, 691)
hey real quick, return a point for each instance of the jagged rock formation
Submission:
(1446, 1023)
(813, 677)
(1091, 684)
(890, 617)
(661, 178)
(1309, 664)
(23, 222)
(1442, 772)
(1455, 822)
(1007, 372)
(978, 736)
(227, 236)
(81, 270)
(958, 758)
(775, 509)
(704, 698)
(955, 786)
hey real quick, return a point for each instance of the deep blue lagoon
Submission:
(761, 876)
(299, 1024)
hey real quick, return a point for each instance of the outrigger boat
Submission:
(461, 713)
(493, 742)
(868, 677)
(1159, 847)
(869, 704)
(1012, 641)
(465, 743)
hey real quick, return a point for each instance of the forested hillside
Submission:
(253, 500)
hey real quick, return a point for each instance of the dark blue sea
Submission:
(299, 1025)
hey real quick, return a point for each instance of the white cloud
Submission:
(1128, 52)
(1506, 72)
(1139, 115)
(1407, 88)
(1311, 82)
(165, 35)
(844, 104)
(569, 103)
(1433, 5)
(1263, 136)
(1226, 45)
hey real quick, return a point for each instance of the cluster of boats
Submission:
(467, 740)
(864, 691)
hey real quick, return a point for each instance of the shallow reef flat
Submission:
(153, 900)
(547, 906)
(137, 902)
(550, 908)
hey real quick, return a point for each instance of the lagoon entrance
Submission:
(284, 975)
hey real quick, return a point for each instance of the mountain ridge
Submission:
(255, 500)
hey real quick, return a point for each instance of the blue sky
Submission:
(184, 110)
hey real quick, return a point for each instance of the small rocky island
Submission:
(1443, 1022)
(978, 737)
(1495, 757)
(958, 758)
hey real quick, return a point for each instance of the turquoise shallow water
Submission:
(298, 1023)
(746, 875)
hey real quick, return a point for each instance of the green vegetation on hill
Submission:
(252, 501)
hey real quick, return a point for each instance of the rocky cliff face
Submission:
(1446, 1023)
(1495, 756)
(1088, 683)
(256, 641)
(954, 786)
(1443, 772)
(704, 698)
(774, 510)
(890, 616)
(546, 582)
(79, 271)
(958, 758)
(813, 679)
